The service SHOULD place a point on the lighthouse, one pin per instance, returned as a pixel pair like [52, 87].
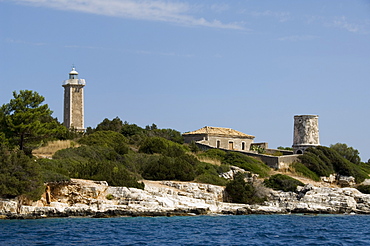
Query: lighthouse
[74, 102]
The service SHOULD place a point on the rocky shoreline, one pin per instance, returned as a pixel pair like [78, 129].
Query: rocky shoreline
[172, 198]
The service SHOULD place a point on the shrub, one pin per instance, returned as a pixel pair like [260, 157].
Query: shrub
[169, 168]
[325, 161]
[107, 138]
[169, 134]
[109, 197]
[214, 154]
[247, 163]
[282, 182]
[20, 175]
[210, 178]
[96, 163]
[240, 191]
[208, 173]
[162, 146]
[364, 189]
[301, 169]
[316, 164]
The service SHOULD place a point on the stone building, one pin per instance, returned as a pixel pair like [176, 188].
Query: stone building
[219, 137]
[74, 102]
[306, 132]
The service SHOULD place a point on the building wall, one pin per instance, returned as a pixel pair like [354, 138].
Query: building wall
[194, 138]
[306, 132]
[232, 143]
[276, 162]
[74, 106]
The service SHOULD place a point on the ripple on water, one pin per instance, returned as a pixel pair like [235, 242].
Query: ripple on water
[197, 230]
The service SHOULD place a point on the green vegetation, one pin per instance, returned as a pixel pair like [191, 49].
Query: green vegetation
[26, 123]
[109, 197]
[238, 159]
[240, 191]
[258, 148]
[349, 153]
[108, 139]
[285, 148]
[20, 175]
[208, 173]
[301, 169]
[325, 161]
[122, 154]
[159, 145]
[364, 189]
[216, 154]
[282, 182]
[247, 163]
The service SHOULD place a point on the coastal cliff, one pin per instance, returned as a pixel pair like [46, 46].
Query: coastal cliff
[171, 198]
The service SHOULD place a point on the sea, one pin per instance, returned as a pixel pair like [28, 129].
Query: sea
[192, 230]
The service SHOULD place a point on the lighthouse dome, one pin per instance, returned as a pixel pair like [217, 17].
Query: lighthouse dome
[73, 71]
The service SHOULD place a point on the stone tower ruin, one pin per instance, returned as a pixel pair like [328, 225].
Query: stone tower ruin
[74, 102]
[306, 132]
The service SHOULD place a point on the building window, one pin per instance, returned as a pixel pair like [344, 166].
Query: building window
[218, 143]
[243, 145]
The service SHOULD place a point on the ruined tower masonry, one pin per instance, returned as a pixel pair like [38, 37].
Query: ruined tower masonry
[306, 132]
[74, 102]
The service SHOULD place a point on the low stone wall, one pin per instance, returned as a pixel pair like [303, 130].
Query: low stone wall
[276, 162]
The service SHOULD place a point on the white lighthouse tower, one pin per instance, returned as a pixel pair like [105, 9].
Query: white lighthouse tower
[74, 102]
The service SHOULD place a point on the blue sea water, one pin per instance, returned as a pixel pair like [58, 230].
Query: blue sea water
[197, 230]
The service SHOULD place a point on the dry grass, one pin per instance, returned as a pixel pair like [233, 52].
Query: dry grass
[209, 160]
[52, 147]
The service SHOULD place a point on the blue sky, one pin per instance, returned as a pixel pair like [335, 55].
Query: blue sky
[250, 65]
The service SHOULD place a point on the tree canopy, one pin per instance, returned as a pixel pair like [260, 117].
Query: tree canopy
[20, 175]
[25, 121]
[351, 154]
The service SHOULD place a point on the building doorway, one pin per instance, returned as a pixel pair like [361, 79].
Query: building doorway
[231, 145]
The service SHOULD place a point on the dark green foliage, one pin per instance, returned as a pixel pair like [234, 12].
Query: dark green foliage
[285, 148]
[214, 154]
[239, 160]
[325, 161]
[301, 169]
[364, 189]
[258, 148]
[158, 145]
[314, 162]
[53, 170]
[169, 134]
[96, 163]
[129, 130]
[208, 173]
[282, 182]
[110, 125]
[170, 168]
[26, 122]
[349, 153]
[20, 175]
[194, 147]
[247, 163]
[107, 138]
[240, 191]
